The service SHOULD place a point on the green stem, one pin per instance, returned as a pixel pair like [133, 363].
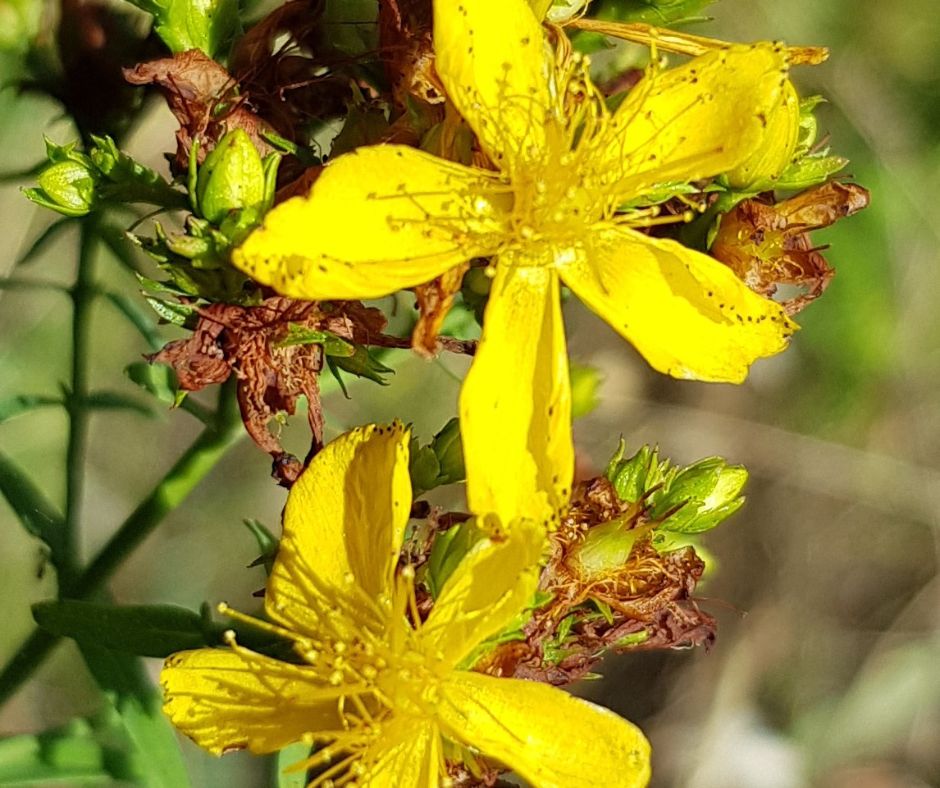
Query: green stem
[83, 297]
[205, 452]
[189, 469]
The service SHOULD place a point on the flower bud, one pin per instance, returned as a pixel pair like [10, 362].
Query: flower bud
[67, 187]
[633, 478]
[448, 449]
[231, 178]
[701, 496]
[775, 152]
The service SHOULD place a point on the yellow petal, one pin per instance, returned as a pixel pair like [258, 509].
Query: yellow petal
[225, 700]
[406, 753]
[688, 314]
[343, 526]
[775, 152]
[493, 584]
[694, 121]
[492, 59]
[377, 220]
[515, 405]
[549, 738]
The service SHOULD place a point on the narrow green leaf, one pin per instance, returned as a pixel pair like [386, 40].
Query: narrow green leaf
[137, 316]
[158, 379]
[69, 756]
[23, 403]
[18, 283]
[44, 239]
[125, 683]
[144, 630]
[30, 505]
[114, 400]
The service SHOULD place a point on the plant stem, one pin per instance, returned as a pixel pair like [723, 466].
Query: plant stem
[179, 481]
[83, 297]
[204, 453]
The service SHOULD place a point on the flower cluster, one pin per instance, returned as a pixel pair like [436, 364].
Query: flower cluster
[400, 643]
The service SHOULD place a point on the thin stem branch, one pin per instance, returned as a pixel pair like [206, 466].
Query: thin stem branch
[205, 452]
[83, 296]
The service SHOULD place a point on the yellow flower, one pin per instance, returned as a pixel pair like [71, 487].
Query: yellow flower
[389, 217]
[384, 694]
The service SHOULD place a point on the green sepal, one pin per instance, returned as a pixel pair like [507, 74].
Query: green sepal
[449, 549]
[440, 462]
[267, 544]
[333, 345]
[362, 363]
[182, 24]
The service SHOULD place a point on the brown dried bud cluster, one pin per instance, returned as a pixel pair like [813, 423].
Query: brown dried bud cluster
[643, 602]
[271, 377]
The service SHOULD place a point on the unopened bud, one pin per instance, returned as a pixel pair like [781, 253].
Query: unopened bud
[448, 449]
[702, 495]
[231, 178]
[67, 187]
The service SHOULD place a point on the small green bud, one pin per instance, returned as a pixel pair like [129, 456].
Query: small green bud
[448, 449]
[424, 468]
[231, 178]
[634, 477]
[67, 187]
[705, 493]
[607, 547]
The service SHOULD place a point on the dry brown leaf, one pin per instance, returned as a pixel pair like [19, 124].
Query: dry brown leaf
[271, 378]
[204, 98]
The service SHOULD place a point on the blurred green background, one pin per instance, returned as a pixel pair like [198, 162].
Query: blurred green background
[827, 667]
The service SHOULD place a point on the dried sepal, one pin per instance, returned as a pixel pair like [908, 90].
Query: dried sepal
[768, 244]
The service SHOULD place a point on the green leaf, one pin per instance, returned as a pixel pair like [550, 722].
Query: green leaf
[137, 316]
[293, 753]
[448, 551]
[68, 756]
[144, 630]
[23, 403]
[267, 544]
[363, 364]
[44, 239]
[172, 312]
[158, 379]
[654, 12]
[125, 683]
[113, 400]
[37, 515]
[332, 344]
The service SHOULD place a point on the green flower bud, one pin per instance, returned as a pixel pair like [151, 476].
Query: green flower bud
[231, 178]
[632, 478]
[448, 449]
[702, 495]
[763, 167]
[607, 547]
[67, 187]
[423, 468]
